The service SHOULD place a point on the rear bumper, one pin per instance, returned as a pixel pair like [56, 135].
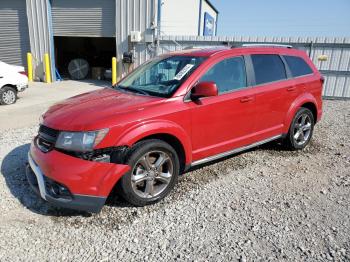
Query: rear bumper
[70, 182]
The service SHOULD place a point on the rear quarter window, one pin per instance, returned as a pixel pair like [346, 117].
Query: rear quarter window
[298, 66]
[268, 68]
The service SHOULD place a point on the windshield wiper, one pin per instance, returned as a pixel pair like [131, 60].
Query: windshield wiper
[140, 91]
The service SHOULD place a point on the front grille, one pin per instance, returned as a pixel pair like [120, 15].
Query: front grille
[46, 138]
[48, 132]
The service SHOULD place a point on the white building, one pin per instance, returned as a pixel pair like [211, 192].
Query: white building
[188, 17]
[95, 30]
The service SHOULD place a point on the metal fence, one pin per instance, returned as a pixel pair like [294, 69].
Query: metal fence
[336, 69]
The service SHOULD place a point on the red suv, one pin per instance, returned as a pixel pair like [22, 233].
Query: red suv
[174, 112]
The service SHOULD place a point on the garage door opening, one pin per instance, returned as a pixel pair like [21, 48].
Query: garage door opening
[84, 57]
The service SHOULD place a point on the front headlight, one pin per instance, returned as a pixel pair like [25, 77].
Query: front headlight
[80, 141]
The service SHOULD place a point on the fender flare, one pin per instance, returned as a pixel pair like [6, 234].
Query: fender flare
[298, 102]
[9, 85]
[157, 127]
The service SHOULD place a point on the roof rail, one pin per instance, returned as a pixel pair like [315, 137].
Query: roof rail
[267, 45]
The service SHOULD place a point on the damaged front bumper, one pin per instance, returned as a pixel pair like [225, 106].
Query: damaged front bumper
[70, 182]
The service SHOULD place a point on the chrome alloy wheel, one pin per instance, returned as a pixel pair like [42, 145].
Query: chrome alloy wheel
[152, 174]
[9, 97]
[302, 129]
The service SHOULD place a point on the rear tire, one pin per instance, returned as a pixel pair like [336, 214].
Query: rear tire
[155, 168]
[301, 130]
[8, 95]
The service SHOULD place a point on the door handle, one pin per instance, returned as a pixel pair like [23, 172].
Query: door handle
[247, 99]
[291, 88]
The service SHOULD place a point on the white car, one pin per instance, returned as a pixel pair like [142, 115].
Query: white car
[13, 79]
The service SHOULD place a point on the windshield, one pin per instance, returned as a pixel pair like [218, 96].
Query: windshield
[161, 76]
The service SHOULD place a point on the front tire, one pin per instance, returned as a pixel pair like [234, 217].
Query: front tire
[8, 95]
[300, 130]
[154, 171]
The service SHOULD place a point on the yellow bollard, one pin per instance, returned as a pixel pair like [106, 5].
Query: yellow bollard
[30, 67]
[47, 69]
[114, 71]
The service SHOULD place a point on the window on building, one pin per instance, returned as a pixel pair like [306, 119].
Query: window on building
[268, 68]
[297, 66]
[228, 74]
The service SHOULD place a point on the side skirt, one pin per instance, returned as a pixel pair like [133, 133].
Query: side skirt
[234, 151]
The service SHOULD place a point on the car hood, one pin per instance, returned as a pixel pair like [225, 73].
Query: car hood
[10, 68]
[95, 110]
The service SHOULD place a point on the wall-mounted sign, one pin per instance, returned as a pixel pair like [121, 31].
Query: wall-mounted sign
[209, 25]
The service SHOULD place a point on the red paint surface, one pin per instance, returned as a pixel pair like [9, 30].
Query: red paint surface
[205, 127]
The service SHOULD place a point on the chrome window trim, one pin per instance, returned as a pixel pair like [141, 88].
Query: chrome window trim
[311, 74]
[277, 81]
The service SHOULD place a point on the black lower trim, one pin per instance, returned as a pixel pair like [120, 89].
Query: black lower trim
[92, 204]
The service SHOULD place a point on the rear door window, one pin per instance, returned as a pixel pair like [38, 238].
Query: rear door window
[228, 74]
[298, 66]
[268, 68]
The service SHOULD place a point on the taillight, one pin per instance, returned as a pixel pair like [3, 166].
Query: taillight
[23, 73]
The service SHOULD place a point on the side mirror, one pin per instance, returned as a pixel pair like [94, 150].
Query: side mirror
[204, 89]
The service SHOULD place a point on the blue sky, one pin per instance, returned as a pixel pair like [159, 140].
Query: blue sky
[283, 18]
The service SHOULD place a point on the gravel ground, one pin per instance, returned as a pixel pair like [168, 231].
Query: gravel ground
[261, 205]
